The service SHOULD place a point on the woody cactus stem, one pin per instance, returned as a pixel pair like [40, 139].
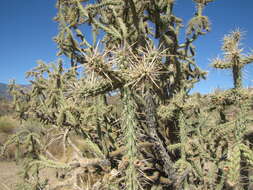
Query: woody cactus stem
[153, 127]
[237, 76]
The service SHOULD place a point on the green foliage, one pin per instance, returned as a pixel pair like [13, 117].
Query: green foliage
[156, 136]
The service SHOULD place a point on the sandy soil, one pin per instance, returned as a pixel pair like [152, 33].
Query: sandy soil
[8, 175]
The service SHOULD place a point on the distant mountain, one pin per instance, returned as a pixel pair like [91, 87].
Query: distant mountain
[4, 91]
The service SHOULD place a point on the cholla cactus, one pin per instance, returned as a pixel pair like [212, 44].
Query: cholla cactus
[233, 57]
[120, 114]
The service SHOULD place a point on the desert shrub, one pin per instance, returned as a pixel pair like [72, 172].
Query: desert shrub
[6, 107]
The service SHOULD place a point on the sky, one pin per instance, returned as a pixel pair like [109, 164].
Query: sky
[27, 31]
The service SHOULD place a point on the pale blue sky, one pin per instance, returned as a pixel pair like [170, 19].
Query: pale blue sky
[27, 29]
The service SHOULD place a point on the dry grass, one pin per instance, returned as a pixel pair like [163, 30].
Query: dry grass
[8, 125]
